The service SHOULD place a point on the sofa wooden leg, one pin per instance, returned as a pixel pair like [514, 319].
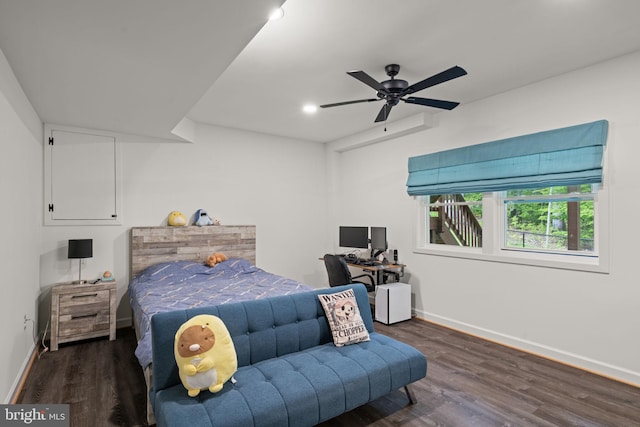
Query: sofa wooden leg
[410, 395]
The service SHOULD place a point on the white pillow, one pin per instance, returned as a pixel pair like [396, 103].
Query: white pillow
[344, 317]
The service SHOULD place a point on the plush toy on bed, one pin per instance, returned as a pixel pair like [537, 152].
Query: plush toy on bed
[215, 258]
[177, 219]
[205, 354]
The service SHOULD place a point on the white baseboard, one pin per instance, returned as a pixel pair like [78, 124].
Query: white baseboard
[21, 372]
[595, 366]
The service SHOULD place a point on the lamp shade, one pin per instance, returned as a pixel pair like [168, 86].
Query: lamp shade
[80, 248]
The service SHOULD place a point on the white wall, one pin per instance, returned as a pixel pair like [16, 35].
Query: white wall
[587, 319]
[20, 202]
[238, 177]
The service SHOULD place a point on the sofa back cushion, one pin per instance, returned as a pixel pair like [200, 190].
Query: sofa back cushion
[260, 329]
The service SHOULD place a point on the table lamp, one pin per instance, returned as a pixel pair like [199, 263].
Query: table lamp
[79, 249]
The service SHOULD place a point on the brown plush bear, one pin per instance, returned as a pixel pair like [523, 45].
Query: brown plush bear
[215, 258]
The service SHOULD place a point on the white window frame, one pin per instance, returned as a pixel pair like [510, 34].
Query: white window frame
[493, 237]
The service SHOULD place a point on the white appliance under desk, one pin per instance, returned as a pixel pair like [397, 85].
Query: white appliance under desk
[393, 303]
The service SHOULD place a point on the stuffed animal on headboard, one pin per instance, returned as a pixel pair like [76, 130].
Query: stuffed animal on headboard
[205, 354]
[177, 219]
[201, 218]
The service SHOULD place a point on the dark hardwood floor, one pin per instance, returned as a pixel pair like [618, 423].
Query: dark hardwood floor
[470, 382]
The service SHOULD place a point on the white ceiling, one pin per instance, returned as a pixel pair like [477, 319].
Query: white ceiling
[131, 66]
[141, 66]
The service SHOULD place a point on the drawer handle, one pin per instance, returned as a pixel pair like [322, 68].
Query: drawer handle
[84, 296]
[84, 316]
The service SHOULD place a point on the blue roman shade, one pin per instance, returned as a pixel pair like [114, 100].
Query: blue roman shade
[566, 156]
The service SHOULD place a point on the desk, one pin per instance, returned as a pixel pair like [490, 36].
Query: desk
[381, 271]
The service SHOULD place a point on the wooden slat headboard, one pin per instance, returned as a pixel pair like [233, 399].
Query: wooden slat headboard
[151, 245]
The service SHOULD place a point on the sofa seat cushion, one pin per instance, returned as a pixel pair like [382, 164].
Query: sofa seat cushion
[298, 389]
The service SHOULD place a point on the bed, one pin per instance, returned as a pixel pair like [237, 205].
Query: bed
[168, 273]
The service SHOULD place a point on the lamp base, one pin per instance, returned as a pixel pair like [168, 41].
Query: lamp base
[79, 282]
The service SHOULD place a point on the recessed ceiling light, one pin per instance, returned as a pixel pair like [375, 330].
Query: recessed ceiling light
[276, 14]
[309, 109]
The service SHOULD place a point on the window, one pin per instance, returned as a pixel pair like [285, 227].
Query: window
[455, 219]
[534, 199]
[556, 227]
[551, 219]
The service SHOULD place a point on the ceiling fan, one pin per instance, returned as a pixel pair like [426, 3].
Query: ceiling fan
[395, 90]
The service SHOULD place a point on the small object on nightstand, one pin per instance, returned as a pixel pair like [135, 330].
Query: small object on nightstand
[82, 311]
[107, 276]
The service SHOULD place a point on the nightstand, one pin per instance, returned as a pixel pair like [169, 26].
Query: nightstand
[82, 311]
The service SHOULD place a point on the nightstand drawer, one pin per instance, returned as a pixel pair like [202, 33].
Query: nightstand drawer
[83, 301]
[83, 322]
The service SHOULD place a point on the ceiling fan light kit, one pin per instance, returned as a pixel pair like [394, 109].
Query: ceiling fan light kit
[394, 90]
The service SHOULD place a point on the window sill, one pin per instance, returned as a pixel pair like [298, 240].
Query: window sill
[536, 259]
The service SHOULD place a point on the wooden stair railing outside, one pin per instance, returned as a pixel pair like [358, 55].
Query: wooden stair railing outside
[458, 220]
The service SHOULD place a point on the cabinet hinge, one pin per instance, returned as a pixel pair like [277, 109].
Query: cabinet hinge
[50, 140]
[50, 207]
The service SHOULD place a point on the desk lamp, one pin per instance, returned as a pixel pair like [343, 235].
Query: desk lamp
[80, 249]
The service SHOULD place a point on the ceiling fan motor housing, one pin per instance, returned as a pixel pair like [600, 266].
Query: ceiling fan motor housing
[395, 85]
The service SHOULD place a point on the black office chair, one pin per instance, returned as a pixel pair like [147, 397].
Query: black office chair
[339, 273]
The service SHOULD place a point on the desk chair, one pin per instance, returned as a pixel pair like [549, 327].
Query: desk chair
[339, 273]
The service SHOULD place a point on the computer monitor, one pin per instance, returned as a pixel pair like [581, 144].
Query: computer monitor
[354, 237]
[378, 240]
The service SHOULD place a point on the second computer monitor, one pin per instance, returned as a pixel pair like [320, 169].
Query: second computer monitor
[379, 238]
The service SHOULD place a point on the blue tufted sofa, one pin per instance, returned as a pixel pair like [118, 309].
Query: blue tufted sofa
[289, 371]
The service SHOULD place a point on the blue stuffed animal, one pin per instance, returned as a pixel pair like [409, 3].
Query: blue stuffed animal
[202, 218]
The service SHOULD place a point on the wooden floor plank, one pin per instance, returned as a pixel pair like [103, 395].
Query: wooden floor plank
[470, 382]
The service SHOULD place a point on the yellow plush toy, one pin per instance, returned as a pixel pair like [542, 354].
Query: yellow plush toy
[215, 258]
[177, 219]
[205, 354]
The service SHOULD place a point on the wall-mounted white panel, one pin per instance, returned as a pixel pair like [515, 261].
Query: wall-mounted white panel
[81, 178]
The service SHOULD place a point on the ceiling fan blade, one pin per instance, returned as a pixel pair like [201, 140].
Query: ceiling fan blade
[337, 104]
[428, 102]
[368, 80]
[446, 75]
[384, 113]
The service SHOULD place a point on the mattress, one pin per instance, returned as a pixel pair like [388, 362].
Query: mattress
[182, 285]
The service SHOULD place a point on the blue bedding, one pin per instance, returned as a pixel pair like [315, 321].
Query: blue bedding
[182, 285]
